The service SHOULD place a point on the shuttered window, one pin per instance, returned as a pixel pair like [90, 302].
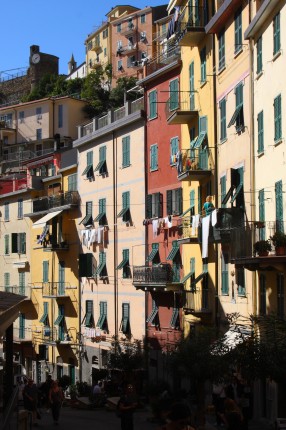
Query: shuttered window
[276, 34]
[260, 132]
[45, 271]
[72, 182]
[125, 323]
[222, 190]
[174, 202]
[279, 206]
[259, 63]
[174, 94]
[6, 244]
[152, 104]
[261, 200]
[126, 151]
[277, 118]
[20, 209]
[238, 31]
[221, 50]
[224, 274]
[21, 326]
[222, 106]
[22, 283]
[192, 85]
[154, 206]
[203, 65]
[7, 281]
[153, 157]
[86, 265]
[174, 148]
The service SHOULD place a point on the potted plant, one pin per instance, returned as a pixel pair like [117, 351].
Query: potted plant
[262, 247]
[279, 241]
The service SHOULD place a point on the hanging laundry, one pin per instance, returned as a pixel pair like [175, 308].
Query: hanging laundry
[155, 227]
[179, 162]
[100, 234]
[205, 235]
[214, 217]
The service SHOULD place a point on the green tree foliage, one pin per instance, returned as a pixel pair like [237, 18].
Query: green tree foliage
[117, 93]
[127, 356]
[95, 93]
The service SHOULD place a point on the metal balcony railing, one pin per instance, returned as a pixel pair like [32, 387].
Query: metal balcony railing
[17, 289]
[196, 159]
[55, 289]
[192, 18]
[68, 198]
[152, 275]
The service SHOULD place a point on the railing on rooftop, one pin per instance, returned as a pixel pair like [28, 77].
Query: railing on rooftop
[111, 117]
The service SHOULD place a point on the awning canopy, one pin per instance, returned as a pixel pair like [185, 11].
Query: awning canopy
[42, 221]
[101, 166]
[174, 250]
[123, 263]
[155, 250]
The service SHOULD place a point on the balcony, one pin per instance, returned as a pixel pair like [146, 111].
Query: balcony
[65, 200]
[184, 110]
[128, 29]
[186, 233]
[243, 255]
[150, 277]
[16, 289]
[7, 126]
[55, 289]
[129, 49]
[95, 64]
[197, 164]
[53, 336]
[198, 302]
[191, 25]
[171, 52]
[95, 46]
[224, 13]
[53, 245]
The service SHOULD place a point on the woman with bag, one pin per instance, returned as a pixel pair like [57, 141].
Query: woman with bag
[56, 398]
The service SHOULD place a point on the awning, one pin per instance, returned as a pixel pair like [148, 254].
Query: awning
[235, 115]
[152, 315]
[99, 216]
[87, 220]
[101, 321]
[99, 268]
[155, 249]
[44, 318]
[123, 263]
[88, 318]
[100, 166]
[59, 319]
[87, 170]
[173, 251]
[42, 221]
[122, 212]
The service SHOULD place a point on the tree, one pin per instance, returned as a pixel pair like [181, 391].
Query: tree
[122, 86]
[94, 92]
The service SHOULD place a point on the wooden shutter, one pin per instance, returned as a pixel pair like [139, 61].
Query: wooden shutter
[126, 151]
[169, 202]
[102, 153]
[45, 271]
[279, 206]
[192, 86]
[260, 132]
[148, 213]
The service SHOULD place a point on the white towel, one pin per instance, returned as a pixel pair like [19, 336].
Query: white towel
[205, 235]
[155, 227]
[91, 238]
[170, 223]
[99, 234]
[193, 225]
[214, 217]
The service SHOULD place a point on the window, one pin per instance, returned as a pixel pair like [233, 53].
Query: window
[7, 118]
[38, 133]
[119, 65]
[20, 209]
[238, 117]
[7, 282]
[259, 64]
[125, 264]
[175, 322]
[276, 34]
[224, 274]
[126, 151]
[88, 171]
[6, 211]
[237, 31]
[143, 18]
[192, 85]
[88, 219]
[21, 326]
[21, 116]
[154, 205]
[280, 295]
[86, 269]
[125, 323]
[125, 211]
[203, 65]
[60, 322]
[153, 317]
[262, 295]
[191, 274]
[39, 113]
[89, 318]
[60, 116]
[222, 190]
[101, 168]
[152, 104]
[61, 275]
[279, 206]
[237, 185]
[174, 202]
[22, 283]
[105, 52]
[153, 157]
[118, 28]
[45, 317]
[277, 119]
[72, 182]
[102, 320]
[174, 94]
[130, 24]
[261, 200]
[101, 217]
[174, 148]
[105, 33]
[240, 279]
[101, 270]
[260, 132]
[45, 271]
[175, 256]
[154, 256]
[222, 106]
[221, 50]
[18, 243]
[6, 244]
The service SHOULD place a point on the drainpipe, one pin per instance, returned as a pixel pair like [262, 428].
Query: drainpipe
[252, 160]
[217, 316]
[115, 251]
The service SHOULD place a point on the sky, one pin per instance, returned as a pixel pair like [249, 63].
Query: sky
[59, 27]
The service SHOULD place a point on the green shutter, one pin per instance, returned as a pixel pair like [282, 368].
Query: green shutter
[222, 190]
[88, 313]
[276, 34]
[126, 200]
[126, 151]
[222, 106]
[153, 157]
[239, 95]
[22, 283]
[277, 118]
[102, 153]
[6, 244]
[174, 147]
[7, 281]
[169, 202]
[148, 214]
[61, 267]
[152, 104]
[224, 274]
[261, 213]
[125, 325]
[174, 94]
[221, 50]
[45, 271]
[279, 206]
[203, 65]
[238, 31]
[85, 265]
[259, 64]
[89, 158]
[20, 208]
[21, 326]
[260, 131]
[192, 201]
[179, 201]
[192, 85]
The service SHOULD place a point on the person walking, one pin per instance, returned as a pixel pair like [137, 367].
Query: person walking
[126, 407]
[30, 399]
[56, 397]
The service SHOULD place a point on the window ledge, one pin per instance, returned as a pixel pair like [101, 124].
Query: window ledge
[154, 170]
[220, 70]
[152, 119]
[125, 167]
[242, 296]
[203, 83]
[260, 153]
[278, 141]
[238, 52]
[258, 75]
[222, 141]
[275, 56]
